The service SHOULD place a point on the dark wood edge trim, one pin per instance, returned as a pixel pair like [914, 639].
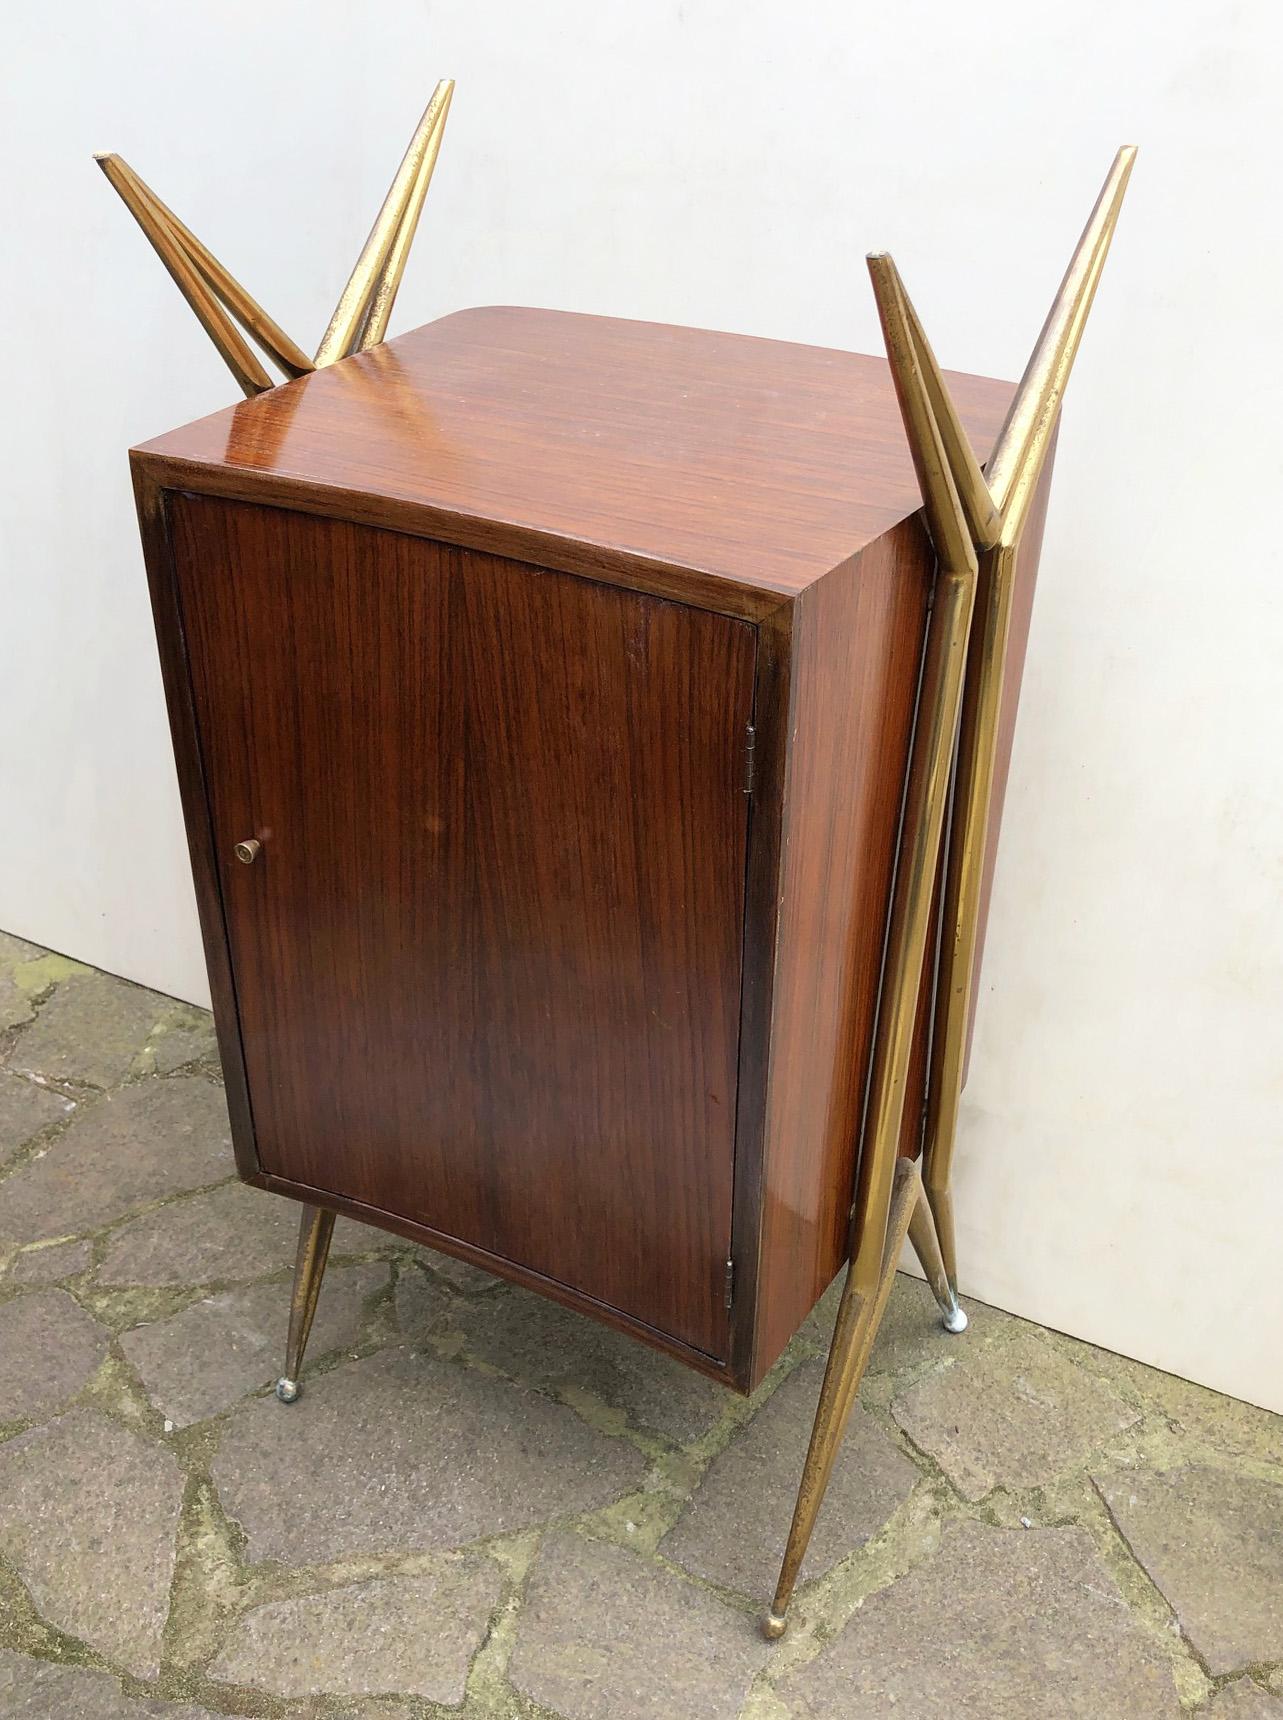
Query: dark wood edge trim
[771, 707]
[508, 1269]
[153, 525]
[465, 531]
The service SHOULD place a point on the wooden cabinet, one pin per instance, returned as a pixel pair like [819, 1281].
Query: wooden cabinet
[563, 671]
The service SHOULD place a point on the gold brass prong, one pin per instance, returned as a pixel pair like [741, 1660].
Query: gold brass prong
[926, 1245]
[361, 315]
[927, 789]
[1023, 440]
[960, 695]
[227, 289]
[858, 1318]
[983, 520]
[386, 286]
[248, 372]
[1013, 475]
[316, 1227]
[945, 519]
[888, 1188]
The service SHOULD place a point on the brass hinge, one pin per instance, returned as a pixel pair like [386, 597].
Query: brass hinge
[750, 739]
[730, 1285]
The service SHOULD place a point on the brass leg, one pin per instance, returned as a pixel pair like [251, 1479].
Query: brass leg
[940, 1199]
[974, 521]
[315, 1230]
[857, 1326]
[922, 1234]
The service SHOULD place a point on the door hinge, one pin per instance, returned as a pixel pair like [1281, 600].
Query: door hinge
[750, 741]
[730, 1285]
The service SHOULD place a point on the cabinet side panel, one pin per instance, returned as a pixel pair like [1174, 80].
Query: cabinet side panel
[857, 643]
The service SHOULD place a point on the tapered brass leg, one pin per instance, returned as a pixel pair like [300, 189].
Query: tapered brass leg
[857, 1326]
[939, 1193]
[315, 1230]
[922, 1234]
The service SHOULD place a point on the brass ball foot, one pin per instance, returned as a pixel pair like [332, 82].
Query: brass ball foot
[773, 1626]
[287, 1390]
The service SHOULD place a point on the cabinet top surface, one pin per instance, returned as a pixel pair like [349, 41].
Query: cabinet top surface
[757, 462]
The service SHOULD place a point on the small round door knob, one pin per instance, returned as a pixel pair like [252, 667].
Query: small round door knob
[248, 851]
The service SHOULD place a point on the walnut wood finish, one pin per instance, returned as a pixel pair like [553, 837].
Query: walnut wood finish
[467, 631]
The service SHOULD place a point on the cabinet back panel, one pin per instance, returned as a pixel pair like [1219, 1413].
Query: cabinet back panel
[487, 962]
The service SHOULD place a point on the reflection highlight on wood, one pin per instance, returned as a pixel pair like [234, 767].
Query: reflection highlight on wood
[361, 316]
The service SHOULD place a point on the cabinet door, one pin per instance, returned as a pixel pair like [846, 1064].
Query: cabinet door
[487, 960]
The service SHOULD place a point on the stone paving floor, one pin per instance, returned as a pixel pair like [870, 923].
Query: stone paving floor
[484, 1505]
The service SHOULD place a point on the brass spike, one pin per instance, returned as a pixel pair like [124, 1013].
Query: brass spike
[248, 372]
[1014, 472]
[385, 290]
[361, 318]
[361, 314]
[273, 339]
[1023, 440]
[945, 519]
[983, 520]
[965, 513]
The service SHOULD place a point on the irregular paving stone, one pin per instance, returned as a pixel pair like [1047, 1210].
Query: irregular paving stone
[404, 1452]
[461, 1275]
[182, 1040]
[1225, 1424]
[50, 1262]
[1014, 1415]
[15, 951]
[1213, 1543]
[217, 1351]
[15, 1005]
[539, 1341]
[1001, 1622]
[421, 1305]
[88, 1515]
[414, 1635]
[911, 1334]
[123, 1151]
[733, 1531]
[1238, 1429]
[1244, 1700]
[232, 1232]
[606, 1636]
[90, 1030]
[15, 1000]
[353, 1237]
[49, 1347]
[25, 1109]
[38, 1690]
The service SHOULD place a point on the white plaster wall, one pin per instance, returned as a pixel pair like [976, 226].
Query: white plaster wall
[727, 164]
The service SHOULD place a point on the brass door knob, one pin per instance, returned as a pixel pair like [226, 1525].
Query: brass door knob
[248, 851]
